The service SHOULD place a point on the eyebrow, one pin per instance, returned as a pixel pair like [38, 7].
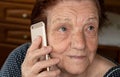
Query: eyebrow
[67, 19]
[92, 18]
[60, 19]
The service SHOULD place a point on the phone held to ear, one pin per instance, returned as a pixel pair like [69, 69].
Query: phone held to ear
[38, 29]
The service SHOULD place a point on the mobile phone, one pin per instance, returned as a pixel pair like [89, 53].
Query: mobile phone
[38, 29]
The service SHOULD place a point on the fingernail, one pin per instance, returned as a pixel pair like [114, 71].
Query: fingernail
[57, 60]
[58, 71]
[49, 48]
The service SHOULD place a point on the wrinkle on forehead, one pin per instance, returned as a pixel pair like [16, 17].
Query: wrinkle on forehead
[68, 9]
[71, 2]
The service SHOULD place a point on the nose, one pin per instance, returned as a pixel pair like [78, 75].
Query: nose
[78, 41]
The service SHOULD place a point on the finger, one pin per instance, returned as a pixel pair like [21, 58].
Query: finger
[54, 73]
[38, 54]
[39, 66]
[35, 44]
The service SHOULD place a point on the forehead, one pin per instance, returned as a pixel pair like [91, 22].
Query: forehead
[73, 8]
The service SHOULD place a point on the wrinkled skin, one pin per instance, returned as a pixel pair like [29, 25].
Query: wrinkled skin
[72, 36]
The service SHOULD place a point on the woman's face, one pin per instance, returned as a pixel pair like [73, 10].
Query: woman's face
[73, 34]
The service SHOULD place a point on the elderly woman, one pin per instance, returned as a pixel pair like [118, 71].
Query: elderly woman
[72, 33]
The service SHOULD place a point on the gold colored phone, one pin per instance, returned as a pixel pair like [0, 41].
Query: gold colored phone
[38, 29]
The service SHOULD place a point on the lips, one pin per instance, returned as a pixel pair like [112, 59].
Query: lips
[78, 58]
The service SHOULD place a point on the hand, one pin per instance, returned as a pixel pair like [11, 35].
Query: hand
[33, 64]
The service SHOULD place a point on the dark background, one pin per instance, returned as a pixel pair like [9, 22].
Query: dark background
[15, 23]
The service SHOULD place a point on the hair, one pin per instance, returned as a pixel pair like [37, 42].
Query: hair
[40, 7]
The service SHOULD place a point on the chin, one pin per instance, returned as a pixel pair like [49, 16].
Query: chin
[77, 69]
[74, 69]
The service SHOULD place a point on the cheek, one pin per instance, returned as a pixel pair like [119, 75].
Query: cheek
[92, 44]
[59, 43]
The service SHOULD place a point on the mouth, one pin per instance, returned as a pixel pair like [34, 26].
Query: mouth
[77, 58]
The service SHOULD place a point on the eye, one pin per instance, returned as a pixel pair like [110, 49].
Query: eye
[63, 29]
[91, 28]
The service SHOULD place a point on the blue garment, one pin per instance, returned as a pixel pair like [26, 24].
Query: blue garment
[12, 66]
